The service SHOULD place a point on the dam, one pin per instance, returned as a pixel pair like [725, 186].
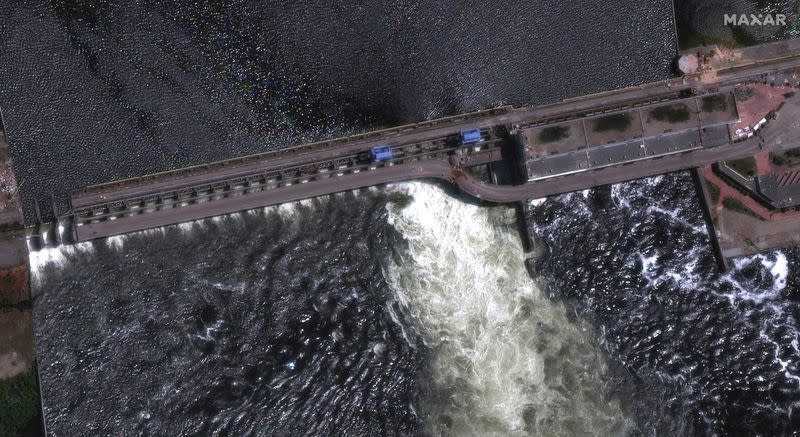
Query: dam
[575, 144]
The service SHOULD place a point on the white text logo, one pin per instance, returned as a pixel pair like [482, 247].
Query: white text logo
[755, 20]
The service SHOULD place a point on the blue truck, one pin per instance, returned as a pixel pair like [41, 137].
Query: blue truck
[469, 136]
[380, 152]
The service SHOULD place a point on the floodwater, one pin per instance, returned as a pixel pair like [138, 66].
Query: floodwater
[394, 311]
[98, 91]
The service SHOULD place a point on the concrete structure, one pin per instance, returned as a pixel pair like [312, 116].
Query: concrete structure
[610, 137]
[645, 133]
[688, 63]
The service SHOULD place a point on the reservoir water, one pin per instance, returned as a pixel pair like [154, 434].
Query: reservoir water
[399, 310]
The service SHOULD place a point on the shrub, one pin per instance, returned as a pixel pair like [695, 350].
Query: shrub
[745, 167]
[713, 192]
[777, 159]
[793, 153]
[618, 122]
[714, 103]
[18, 402]
[553, 133]
[737, 206]
[672, 113]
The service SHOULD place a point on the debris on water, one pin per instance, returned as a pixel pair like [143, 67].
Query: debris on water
[379, 348]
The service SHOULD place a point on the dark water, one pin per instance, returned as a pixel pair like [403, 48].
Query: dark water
[289, 322]
[97, 91]
[718, 354]
[706, 18]
[283, 323]
[269, 324]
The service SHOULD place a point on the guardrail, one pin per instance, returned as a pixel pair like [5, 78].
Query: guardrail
[299, 149]
[272, 179]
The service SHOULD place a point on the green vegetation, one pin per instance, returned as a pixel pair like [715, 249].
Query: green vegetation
[789, 95]
[742, 37]
[687, 38]
[772, 115]
[618, 122]
[713, 192]
[787, 158]
[553, 133]
[11, 227]
[18, 402]
[777, 159]
[737, 206]
[745, 167]
[793, 153]
[701, 39]
[714, 103]
[672, 113]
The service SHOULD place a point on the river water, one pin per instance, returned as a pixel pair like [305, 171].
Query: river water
[404, 310]
[716, 354]
[381, 312]
[100, 91]
[401, 310]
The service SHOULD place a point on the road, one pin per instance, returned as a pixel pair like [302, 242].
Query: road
[431, 168]
[163, 217]
[429, 130]
[604, 176]
[435, 168]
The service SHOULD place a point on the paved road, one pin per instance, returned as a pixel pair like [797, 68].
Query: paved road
[422, 169]
[435, 129]
[604, 176]
[435, 168]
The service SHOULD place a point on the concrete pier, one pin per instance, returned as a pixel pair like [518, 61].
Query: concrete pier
[665, 127]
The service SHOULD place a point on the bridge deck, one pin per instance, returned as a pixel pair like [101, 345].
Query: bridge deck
[425, 150]
[435, 168]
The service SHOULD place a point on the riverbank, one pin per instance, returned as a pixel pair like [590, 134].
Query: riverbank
[19, 395]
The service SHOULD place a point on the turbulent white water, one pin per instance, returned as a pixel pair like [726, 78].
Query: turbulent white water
[506, 360]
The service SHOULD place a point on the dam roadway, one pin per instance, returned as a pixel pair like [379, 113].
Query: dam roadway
[442, 169]
[423, 150]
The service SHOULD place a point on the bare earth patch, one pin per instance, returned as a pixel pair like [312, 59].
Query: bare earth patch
[14, 284]
[8, 184]
[16, 343]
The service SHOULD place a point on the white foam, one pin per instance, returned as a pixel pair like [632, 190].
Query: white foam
[116, 241]
[55, 257]
[619, 198]
[52, 257]
[779, 269]
[777, 265]
[537, 202]
[505, 359]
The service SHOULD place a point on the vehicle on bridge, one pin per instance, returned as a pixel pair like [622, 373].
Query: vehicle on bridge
[380, 152]
[470, 136]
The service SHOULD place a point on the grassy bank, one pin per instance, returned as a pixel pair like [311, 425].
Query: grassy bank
[736, 205]
[18, 403]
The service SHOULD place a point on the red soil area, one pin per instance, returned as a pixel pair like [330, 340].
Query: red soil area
[8, 184]
[763, 165]
[726, 191]
[14, 284]
[765, 99]
[16, 342]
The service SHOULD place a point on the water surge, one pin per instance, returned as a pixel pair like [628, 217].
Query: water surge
[505, 359]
